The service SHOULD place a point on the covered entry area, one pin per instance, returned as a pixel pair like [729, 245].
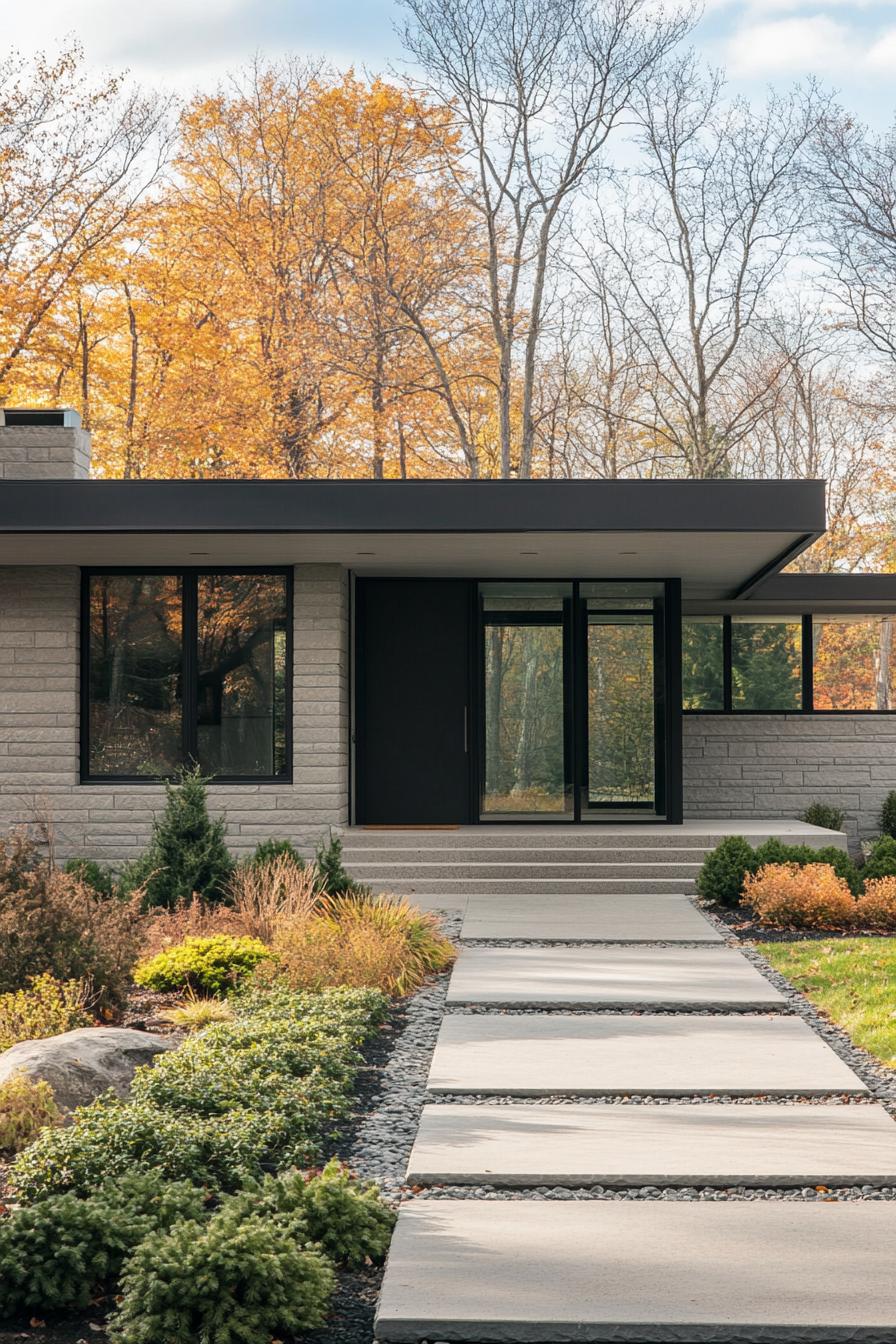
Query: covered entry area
[517, 700]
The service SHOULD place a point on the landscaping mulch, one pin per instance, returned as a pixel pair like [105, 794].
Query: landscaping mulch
[743, 926]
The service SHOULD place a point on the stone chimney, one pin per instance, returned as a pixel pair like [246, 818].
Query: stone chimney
[38, 445]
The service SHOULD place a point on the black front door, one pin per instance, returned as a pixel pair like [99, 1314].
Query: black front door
[412, 701]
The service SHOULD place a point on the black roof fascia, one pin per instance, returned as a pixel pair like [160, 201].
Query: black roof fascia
[808, 589]
[413, 506]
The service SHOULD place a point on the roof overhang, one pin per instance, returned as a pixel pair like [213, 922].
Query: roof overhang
[722, 538]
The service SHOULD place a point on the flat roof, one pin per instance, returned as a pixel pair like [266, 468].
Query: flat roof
[721, 537]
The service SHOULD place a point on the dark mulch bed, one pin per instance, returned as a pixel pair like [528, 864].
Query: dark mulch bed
[354, 1301]
[743, 926]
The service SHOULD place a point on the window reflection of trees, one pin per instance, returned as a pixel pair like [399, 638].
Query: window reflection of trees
[621, 747]
[524, 761]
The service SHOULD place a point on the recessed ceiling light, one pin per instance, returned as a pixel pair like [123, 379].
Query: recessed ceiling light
[200, 552]
[628, 552]
[528, 552]
[365, 552]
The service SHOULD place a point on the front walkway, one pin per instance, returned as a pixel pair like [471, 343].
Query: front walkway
[539, 1058]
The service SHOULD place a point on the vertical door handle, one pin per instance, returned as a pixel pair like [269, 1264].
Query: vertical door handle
[466, 732]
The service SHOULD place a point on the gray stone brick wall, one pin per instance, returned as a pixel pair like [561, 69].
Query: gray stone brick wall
[43, 452]
[39, 677]
[774, 766]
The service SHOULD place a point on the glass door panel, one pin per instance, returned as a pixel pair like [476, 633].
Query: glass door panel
[525, 729]
[621, 756]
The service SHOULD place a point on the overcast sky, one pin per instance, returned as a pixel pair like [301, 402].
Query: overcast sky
[849, 44]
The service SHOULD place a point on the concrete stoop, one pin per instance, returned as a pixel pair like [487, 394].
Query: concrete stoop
[647, 1272]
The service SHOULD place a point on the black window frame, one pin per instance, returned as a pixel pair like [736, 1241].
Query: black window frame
[189, 576]
[807, 705]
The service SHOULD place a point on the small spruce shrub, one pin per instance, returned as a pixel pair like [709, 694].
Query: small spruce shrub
[267, 850]
[822, 814]
[47, 1007]
[721, 877]
[94, 875]
[26, 1108]
[350, 1221]
[888, 815]
[187, 855]
[233, 1279]
[205, 965]
[881, 862]
[334, 880]
[56, 1253]
[876, 907]
[792, 896]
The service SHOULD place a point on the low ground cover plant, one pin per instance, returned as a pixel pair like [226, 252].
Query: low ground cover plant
[852, 980]
[211, 965]
[26, 1108]
[261, 1091]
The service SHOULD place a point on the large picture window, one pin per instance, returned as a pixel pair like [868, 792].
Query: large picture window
[186, 667]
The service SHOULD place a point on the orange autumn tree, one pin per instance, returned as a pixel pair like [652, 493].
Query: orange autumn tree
[408, 268]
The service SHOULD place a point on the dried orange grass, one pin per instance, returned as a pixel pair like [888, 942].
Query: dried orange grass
[273, 895]
[189, 919]
[794, 897]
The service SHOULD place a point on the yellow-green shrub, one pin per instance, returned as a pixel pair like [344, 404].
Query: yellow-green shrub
[205, 965]
[46, 1008]
[25, 1109]
[795, 897]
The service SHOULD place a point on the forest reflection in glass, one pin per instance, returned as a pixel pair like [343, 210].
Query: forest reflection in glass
[135, 681]
[524, 719]
[854, 662]
[241, 628]
[702, 663]
[766, 663]
[621, 743]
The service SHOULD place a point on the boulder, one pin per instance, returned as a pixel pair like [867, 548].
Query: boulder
[79, 1065]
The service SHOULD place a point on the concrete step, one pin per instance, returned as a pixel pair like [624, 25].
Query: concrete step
[638, 917]
[547, 886]
[640, 1272]
[484, 872]
[679, 978]
[523, 837]
[648, 1055]
[691, 1144]
[527, 854]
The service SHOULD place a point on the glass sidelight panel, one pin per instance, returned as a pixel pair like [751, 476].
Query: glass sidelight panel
[524, 704]
[621, 695]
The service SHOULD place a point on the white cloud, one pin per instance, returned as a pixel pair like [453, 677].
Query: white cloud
[812, 45]
[882, 55]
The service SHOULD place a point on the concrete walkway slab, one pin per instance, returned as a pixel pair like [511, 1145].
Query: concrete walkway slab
[595, 1270]
[542, 1054]
[686, 1145]
[599, 917]
[613, 977]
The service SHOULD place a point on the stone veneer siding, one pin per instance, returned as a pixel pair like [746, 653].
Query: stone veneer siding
[43, 452]
[39, 745]
[775, 765]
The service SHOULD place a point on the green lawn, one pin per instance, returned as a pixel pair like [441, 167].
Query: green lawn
[852, 980]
